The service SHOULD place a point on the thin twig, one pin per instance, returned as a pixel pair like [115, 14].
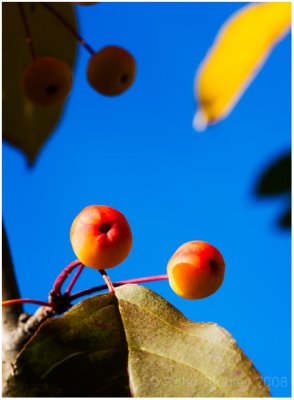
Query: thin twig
[29, 39]
[63, 275]
[29, 301]
[75, 278]
[116, 284]
[90, 290]
[69, 27]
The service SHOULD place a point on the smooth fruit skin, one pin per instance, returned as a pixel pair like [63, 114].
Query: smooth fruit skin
[238, 52]
[196, 270]
[47, 81]
[101, 237]
[111, 71]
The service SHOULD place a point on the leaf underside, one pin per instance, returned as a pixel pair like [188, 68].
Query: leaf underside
[132, 344]
[26, 125]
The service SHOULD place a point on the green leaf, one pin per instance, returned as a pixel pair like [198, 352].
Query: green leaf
[80, 354]
[135, 343]
[26, 125]
[170, 356]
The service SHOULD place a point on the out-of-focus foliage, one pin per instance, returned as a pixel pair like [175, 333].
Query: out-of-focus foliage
[26, 125]
[276, 181]
[240, 49]
[277, 178]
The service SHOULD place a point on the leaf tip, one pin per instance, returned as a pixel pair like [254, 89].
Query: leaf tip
[200, 121]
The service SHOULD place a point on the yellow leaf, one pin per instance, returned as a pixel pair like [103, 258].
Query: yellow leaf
[239, 50]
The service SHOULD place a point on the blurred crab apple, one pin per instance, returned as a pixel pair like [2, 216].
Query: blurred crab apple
[47, 81]
[111, 71]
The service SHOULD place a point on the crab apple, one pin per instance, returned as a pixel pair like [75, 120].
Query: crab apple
[101, 237]
[196, 270]
[111, 71]
[47, 81]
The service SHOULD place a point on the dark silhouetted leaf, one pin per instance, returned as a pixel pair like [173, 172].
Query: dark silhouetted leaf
[135, 343]
[286, 220]
[25, 125]
[277, 178]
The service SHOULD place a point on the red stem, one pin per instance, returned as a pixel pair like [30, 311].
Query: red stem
[116, 284]
[87, 291]
[29, 39]
[69, 27]
[75, 278]
[63, 275]
[107, 280]
[31, 301]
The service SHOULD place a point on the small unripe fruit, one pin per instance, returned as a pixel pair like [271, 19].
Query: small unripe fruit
[196, 270]
[47, 81]
[101, 237]
[111, 71]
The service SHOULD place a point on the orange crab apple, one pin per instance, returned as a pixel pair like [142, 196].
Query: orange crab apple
[101, 237]
[196, 270]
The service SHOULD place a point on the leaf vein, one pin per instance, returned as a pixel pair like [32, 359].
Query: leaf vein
[179, 362]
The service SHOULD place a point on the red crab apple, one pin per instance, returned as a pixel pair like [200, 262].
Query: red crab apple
[196, 270]
[101, 237]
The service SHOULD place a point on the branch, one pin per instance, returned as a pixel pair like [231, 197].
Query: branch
[9, 284]
[28, 325]
[17, 327]
[10, 314]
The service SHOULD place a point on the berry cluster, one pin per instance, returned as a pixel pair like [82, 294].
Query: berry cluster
[47, 81]
[101, 238]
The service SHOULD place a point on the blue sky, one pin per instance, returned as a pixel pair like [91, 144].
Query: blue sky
[138, 153]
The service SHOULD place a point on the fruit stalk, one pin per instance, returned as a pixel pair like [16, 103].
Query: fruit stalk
[107, 280]
[91, 290]
[63, 275]
[68, 26]
[117, 284]
[29, 39]
[75, 278]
